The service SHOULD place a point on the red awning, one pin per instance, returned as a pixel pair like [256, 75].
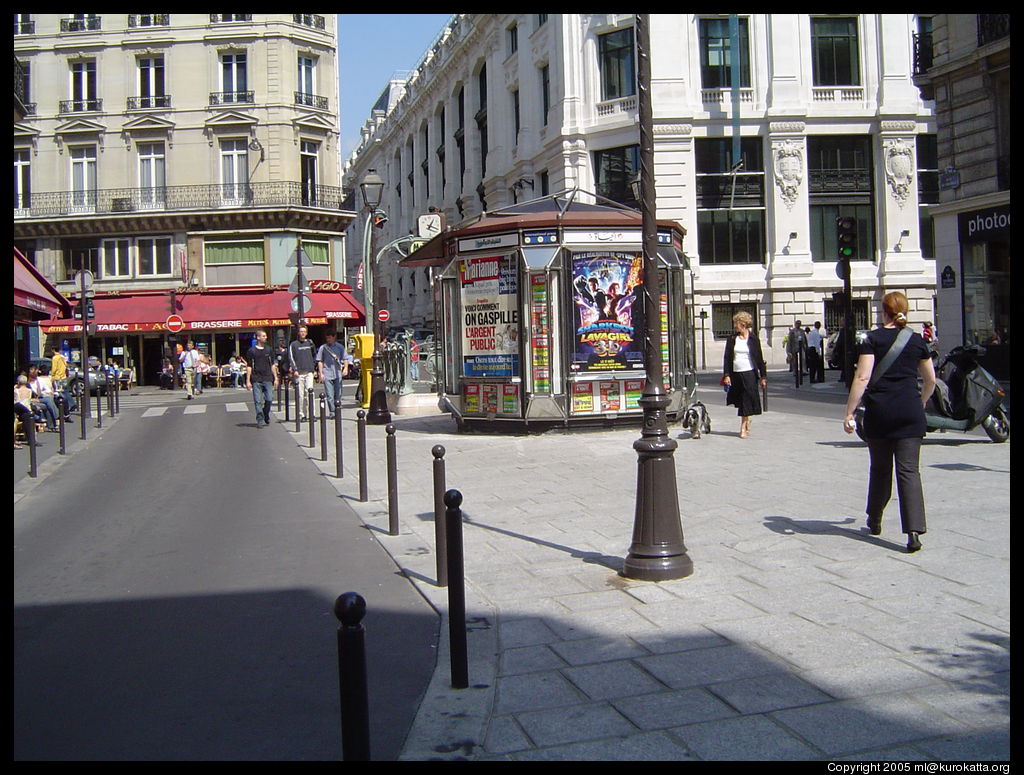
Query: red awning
[212, 311]
[33, 293]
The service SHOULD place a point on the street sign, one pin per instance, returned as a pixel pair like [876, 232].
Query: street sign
[306, 304]
[294, 287]
[174, 323]
[83, 279]
[301, 254]
[383, 316]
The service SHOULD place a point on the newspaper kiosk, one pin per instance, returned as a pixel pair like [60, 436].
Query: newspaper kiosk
[540, 316]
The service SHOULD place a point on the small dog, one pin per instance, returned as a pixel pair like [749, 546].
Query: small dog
[697, 419]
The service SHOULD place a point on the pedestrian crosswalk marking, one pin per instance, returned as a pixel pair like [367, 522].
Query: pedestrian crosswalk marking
[155, 411]
[197, 409]
[237, 407]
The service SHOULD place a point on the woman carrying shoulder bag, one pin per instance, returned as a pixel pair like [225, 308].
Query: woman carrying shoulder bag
[744, 369]
[888, 364]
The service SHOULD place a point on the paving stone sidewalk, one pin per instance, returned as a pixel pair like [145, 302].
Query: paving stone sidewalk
[798, 636]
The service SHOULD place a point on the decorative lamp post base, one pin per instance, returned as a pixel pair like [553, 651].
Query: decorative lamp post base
[378, 413]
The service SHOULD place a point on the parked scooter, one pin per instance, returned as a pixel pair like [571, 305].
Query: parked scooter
[965, 396]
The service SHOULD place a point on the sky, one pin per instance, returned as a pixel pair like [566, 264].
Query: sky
[371, 48]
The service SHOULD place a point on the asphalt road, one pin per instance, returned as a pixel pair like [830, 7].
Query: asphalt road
[174, 592]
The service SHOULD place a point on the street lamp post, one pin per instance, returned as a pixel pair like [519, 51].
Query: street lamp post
[657, 552]
[372, 188]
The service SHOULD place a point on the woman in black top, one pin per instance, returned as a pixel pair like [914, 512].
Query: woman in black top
[894, 422]
[744, 367]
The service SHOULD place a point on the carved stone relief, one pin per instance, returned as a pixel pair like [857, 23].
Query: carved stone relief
[899, 168]
[789, 170]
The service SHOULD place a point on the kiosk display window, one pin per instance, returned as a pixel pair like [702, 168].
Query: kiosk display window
[607, 312]
[490, 330]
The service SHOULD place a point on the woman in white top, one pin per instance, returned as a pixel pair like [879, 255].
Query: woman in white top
[743, 369]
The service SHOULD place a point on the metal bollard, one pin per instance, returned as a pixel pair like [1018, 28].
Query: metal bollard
[456, 592]
[83, 411]
[30, 439]
[323, 427]
[361, 445]
[392, 462]
[110, 399]
[279, 398]
[298, 407]
[287, 401]
[99, 408]
[440, 536]
[311, 415]
[340, 472]
[350, 609]
[59, 400]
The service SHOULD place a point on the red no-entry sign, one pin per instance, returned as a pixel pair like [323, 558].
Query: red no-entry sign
[174, 323]
[383, 315]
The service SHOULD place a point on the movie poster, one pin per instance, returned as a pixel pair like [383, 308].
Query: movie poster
[607, 311]
[490, 324]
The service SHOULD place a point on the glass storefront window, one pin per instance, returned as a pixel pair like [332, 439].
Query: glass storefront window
[987, 293]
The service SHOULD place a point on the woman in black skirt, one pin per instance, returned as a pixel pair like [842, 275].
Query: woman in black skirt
[744, 369]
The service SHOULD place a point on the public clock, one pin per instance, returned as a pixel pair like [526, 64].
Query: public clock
[429, 225]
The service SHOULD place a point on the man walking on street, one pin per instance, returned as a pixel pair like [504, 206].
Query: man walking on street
[261, 377]
[816, 353]
[332, 364]
[190, 362]
[796, 347]
[302, 354]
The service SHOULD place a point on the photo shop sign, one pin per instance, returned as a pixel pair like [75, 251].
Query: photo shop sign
[490, 317]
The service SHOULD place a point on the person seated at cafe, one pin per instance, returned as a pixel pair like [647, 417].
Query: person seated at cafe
[167, 375]
[42, 390]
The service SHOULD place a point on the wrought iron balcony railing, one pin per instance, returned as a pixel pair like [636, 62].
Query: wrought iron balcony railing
[149, 19]
[220, 18]
[25, 28]
[81, 106]
[88, 24]
[992, 27]
[923, 53]
[112, 201]
[855, 181]
[232, 97]
[143, 103]
[311, 100]
[309, 20]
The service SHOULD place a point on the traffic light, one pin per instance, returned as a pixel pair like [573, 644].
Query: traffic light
[172, 297]
[379, 219]
[846, 237]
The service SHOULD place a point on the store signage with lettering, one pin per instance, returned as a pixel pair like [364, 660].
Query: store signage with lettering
[981, 225]
[329, 286]
[948, 278]
[490, 242]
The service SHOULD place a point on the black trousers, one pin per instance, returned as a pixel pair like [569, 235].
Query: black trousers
[906, 453]
[815, 364]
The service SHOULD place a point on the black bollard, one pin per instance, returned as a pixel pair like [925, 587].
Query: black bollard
[323, 427]
[350, 609]
[59, 400]
[278, 391]
[392, 462]
[340, 472]
[110, 398]
[287, 402]
[298, 407]
[99, 405]
[83, 410]
[361, 446]
[764, 393]
[440, 536]
[311, 416]
[29, 423]
[456, 592]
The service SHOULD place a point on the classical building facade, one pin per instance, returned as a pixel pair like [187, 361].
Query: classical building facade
[181, 152]
[508, 107]
[963, 63]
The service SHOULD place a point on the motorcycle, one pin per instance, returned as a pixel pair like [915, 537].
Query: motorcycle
[965, 396]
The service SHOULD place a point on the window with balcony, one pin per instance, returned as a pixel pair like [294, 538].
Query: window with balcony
[116, 259]
[614, 169]
[22, 180]
[233, 80]
[481, 117]
[835, 53]
[151, 85]
[730, 201]
[923, 48]
[152, 175]
[314, 20]
[440, 153]
[306, 95]
[309, 152]
[83, 178]
[545, 94]
[234, 172]
[460, 135]
[542, 19]
[617, 64]
[839, 183]
[515, 117]
[716, 56]
[222, 18]
[425, 162]
[512, 36]
[80, 22]
[83, 88]
[149, 19]
[23, 81]
[154, 257]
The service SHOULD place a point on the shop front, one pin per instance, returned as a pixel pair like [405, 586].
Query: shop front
[35, 300]
[138, 331]
[542, 317]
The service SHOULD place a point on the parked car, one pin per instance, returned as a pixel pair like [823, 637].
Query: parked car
[830, 347]
[97, 381]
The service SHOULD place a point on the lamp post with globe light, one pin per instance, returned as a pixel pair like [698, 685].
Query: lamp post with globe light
[372, 188]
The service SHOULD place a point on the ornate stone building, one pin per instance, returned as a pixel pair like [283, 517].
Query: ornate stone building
[508, 107]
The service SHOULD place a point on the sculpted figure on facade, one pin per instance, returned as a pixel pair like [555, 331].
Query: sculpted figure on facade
[899, 168]
[789, 170]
